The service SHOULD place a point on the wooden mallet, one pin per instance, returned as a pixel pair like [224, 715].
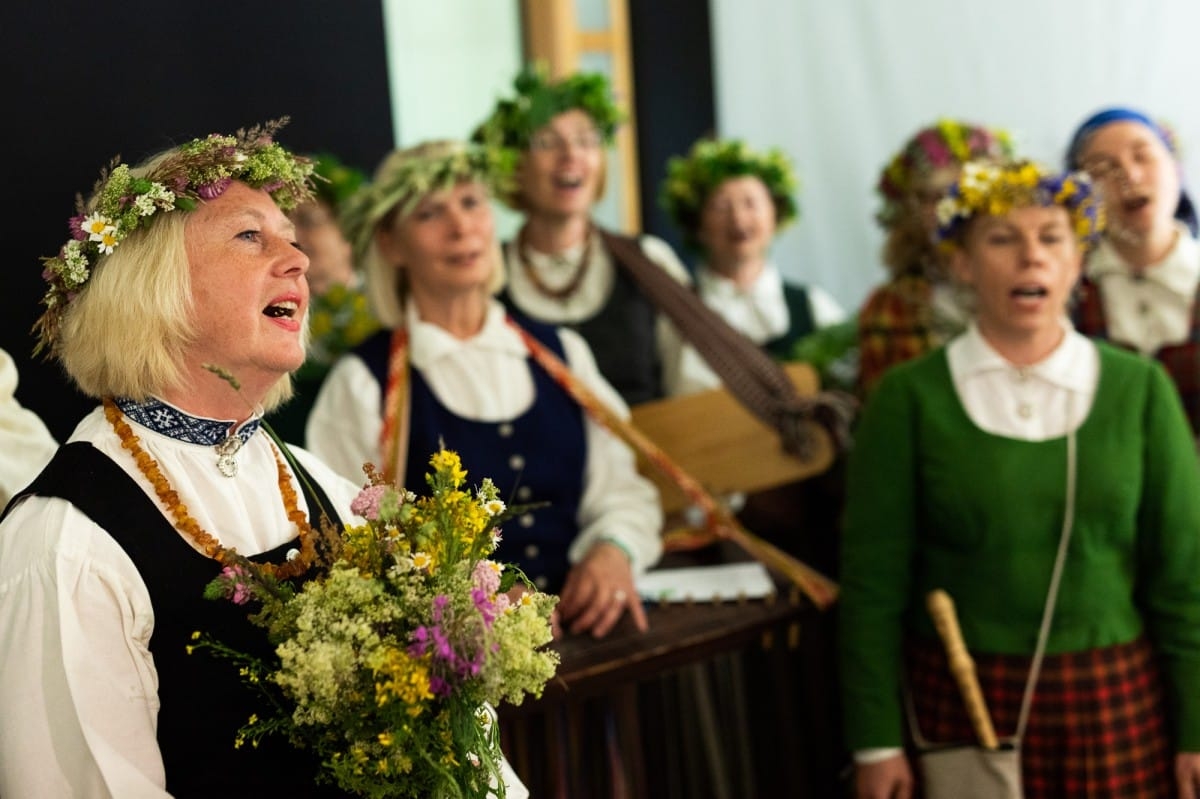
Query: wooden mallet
[945, 619]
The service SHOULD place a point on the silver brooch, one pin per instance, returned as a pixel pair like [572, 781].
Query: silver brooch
[226, 465]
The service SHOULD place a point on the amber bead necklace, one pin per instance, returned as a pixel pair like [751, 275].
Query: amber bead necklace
[187, 525]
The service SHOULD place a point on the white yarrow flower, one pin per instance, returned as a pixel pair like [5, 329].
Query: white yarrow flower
[144, 205]
[163, 197]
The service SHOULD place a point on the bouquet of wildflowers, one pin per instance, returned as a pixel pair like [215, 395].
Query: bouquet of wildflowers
[390, 659]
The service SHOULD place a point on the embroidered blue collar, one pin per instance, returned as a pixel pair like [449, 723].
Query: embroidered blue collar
[168, 420]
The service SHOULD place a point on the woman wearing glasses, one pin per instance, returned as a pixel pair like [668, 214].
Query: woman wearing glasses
[562, 267]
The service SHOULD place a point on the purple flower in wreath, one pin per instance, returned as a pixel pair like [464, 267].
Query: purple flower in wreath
[211, 191]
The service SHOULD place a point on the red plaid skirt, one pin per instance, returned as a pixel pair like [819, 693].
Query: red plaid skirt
[1096, 728]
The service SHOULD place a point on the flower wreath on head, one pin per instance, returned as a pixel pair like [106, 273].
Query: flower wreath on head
[538, 100]
[691, 179]
[990, 189]
[948, 143]
[445, 165]
[123, 202]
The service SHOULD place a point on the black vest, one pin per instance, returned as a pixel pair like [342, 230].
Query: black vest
[800, 325]
[622, 336]
[203, 701]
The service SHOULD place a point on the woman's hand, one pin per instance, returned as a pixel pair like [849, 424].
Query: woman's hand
[1187, 774]
[885, 779]
[598, 591]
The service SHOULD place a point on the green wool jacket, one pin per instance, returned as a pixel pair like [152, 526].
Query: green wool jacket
[935, 502]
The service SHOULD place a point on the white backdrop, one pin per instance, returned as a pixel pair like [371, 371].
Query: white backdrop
[840, 85]
[448, 63]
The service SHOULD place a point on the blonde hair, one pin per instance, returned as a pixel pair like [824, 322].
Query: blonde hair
[127, 331]
[387, 282]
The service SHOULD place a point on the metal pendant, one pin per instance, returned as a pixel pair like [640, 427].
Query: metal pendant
[226, 465]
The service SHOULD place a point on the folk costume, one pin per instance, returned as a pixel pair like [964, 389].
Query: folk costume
[956, 482]
[1153, 309]
[1155, 313]
[105, 558]
[730, 202]
[966, 474]
[99, 596]
[589, 290]
[416, 386]
[771, 312]
[487, 400]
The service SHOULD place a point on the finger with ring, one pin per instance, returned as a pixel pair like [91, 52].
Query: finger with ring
[619, 596]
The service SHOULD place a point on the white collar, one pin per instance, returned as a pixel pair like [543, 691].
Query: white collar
[768, 284]
[1178, 272]
[1066, 367]
[429, 343]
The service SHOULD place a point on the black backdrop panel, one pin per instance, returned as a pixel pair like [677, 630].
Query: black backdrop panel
[673, 93]
[86, 82]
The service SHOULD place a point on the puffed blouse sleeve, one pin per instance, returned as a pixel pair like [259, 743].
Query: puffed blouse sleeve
[79, 698]
[344, 424]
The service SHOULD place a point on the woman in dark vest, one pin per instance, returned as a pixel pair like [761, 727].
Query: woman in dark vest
[562, 267]
[1140, 287]
[183, 263]
[453, 368]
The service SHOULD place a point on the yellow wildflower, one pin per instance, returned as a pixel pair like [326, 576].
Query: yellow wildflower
[447, 462]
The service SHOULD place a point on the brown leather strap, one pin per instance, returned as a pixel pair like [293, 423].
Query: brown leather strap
[751, 376]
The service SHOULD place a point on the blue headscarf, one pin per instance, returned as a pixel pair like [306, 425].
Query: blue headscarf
[1185, 212]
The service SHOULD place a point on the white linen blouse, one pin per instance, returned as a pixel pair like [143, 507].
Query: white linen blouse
[1153, 308]
[760, 311]
[25, 443]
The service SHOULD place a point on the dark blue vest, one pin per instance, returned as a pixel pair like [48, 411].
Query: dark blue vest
[539, 456]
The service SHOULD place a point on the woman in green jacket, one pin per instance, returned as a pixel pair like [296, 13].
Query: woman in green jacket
[959, 481]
